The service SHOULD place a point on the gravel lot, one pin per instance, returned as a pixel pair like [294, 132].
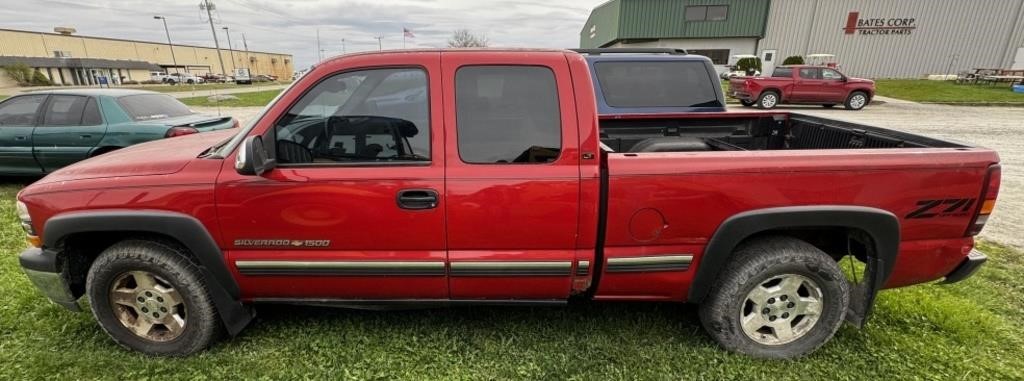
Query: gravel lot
[992, 127]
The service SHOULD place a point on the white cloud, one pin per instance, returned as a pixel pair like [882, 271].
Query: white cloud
[291, 26]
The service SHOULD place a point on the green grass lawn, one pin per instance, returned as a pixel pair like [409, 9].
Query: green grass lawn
[257, 98]
[919, 90]
[973, 330]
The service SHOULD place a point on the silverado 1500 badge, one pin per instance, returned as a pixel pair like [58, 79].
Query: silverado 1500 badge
[283, 242]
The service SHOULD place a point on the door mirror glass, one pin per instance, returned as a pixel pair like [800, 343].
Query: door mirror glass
[252, 159]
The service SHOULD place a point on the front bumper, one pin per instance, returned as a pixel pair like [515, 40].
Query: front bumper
[41, 268]
[968, 267]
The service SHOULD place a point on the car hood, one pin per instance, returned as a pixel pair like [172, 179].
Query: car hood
[860, 80]
[158, 157]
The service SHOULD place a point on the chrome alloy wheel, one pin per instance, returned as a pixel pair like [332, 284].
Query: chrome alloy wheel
[769, 100]
[781, 309]
[858, 101]
[148, 306]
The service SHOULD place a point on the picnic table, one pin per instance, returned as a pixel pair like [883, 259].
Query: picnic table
[990, 76]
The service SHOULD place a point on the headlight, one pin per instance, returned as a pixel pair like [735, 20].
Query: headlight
[26, 219]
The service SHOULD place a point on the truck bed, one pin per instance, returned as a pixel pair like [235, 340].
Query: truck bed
[751, 132]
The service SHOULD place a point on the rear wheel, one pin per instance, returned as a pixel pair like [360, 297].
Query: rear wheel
[150, 297]
[747, 103]
[768, 100]
[856, 101]
[779, 298]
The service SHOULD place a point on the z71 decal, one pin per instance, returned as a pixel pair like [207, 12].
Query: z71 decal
[952, 207]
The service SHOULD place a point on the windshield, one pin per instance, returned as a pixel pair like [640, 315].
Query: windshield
[153, 106]
[656, 84]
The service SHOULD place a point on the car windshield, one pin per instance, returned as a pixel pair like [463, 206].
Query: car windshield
[153, 106]
[656, 84]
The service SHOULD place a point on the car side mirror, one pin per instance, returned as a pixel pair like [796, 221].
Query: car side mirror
[252, 158]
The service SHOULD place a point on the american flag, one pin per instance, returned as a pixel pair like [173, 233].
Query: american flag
[408, 33]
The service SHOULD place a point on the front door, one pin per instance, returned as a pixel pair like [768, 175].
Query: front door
[513, 179]
[833, 87]
[70, 129]
[17, 120]
[355, 207]
[768, 58]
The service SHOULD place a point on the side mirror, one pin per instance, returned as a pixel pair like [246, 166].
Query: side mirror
[252, 158]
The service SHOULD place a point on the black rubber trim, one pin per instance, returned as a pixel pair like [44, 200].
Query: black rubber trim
[583, 268]
[184, 228]
[967, 268]
[602, 227]
[881, 225]
[632, 268]
[39, 260]
[511, 271]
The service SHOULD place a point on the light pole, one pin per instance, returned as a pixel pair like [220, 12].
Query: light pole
[174, 60]
[230, 49]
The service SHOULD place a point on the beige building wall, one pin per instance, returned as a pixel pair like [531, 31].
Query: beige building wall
[196, 59]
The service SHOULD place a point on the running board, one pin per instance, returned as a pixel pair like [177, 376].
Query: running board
[407, 304]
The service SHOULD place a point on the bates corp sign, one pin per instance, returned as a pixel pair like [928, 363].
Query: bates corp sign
[878, 26]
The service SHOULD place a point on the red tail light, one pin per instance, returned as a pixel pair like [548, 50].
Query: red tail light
[180, 131]
[987, 201]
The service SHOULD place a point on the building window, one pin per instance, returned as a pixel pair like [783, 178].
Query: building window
[717, 56]
[707, 13]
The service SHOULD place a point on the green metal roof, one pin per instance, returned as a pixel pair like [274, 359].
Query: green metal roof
[619, 20]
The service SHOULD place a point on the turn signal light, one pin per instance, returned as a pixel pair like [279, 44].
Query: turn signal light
[35, 241]
[180, 131]
[989, 192]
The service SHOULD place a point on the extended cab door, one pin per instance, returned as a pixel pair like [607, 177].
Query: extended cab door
[513, 180]
[807, 85]
[71, 127]
[355, 207]
[17, 120]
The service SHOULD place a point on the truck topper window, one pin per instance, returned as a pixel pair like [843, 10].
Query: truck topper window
[507, 114]
[656, 84]
[366, 116]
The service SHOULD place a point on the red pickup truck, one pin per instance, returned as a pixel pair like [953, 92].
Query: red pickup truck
[441, 177]
[803, 84]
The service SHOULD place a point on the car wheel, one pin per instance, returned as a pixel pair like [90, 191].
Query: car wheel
[857, 100]
[828, 105]
[747, 103]
[779, 298]
[768, 100]
[149, 297]
[191, 82]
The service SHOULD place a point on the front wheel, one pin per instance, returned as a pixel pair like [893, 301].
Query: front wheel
[779, 298]
[746, 103]
[149, 297]
[856, 101]
[768, 100]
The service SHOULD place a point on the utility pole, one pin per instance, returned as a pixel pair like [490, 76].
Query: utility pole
[169, 44]
[207, 6]
[380, 45]
[342, 46]
[234, 63]
[246, 46]
[319, 52]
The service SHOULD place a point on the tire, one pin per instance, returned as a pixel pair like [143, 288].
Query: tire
[768, 100]
[191, 82]
[856, 101]
[144, 273]
[758, 265]
[828, 105]
[747, 103]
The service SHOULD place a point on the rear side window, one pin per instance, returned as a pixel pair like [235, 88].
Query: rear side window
[20, 111]
[507, 114]
[783, 72]
[809, 73]
[64, 110]
[657, 84]
[91, 116]
[152, 106]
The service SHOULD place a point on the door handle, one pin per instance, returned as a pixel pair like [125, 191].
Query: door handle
[417, 199]
[20, 137]
[85, 136]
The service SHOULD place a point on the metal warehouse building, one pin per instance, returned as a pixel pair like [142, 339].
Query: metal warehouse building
[79, 60]
[870, 38]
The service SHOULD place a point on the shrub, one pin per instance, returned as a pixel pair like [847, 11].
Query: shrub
[39, 79]
[20, 73]
[749, 65]
[793, 60]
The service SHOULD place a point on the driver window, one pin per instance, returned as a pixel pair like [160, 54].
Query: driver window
[366, 116]
[832, 75]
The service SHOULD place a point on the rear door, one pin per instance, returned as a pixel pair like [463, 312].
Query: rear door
[18, 117]
[807, 85]
[71, 127]
[512, 175]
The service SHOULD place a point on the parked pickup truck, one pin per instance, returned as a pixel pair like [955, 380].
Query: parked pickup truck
[441, 177]
[803, 84]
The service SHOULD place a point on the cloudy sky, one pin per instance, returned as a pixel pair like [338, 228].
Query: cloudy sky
[290, 26]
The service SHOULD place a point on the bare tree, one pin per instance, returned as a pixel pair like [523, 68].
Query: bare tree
[463, 38]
